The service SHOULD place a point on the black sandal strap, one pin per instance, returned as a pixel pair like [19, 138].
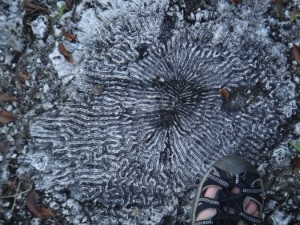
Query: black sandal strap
[250, 219]
[205, 203]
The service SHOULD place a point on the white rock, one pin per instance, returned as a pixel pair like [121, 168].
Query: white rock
[6, 204]
[9, 108]
[27, 83]
[47, 105]
[46, 88]
[280, 218]
[39, 26]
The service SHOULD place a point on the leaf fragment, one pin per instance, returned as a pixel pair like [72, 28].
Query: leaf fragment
[295, 145]
[33, 205]
[6, 117]
[235, 1]
[296, 163]
[23, 76]
[293, 16]
[296, 53]
[69, 3]
[34, 8]
[69, 36]
[65, 53]
[225, 93]
[7, 97]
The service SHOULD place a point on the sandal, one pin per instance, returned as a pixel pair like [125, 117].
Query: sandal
[227, 173]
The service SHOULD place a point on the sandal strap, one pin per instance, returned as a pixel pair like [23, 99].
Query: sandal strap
[205, 203]
[204, 222]
[250, 219]
[236, 201]
[217, 180]
[252, 190]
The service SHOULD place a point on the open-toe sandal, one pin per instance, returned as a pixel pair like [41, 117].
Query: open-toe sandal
[228, 173]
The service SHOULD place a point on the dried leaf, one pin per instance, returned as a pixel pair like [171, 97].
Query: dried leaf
[296, 53]
[296, 163]
[69, 36]
[69, 3]
[235, 1]
[10, 188]
[10, 184]
[65, 53]
[23, 76]
[279, 1]
[225, 93]
[34, 8]
[6, 117]
[7, 97]
[33, 205]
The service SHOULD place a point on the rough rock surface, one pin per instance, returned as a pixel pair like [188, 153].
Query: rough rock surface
[124, 129]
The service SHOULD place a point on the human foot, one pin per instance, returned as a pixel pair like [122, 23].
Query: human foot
[250, 206]
[230, 192]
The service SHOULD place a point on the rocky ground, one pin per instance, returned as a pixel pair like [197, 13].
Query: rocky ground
[31, 86]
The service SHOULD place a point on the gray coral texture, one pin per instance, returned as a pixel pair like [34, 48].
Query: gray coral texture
[145, 119]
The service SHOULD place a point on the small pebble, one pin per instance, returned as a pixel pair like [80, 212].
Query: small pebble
[84, 219]
[46, 88]
[6, 204]
[9, 108]
[297, 128]
[297, 79]
[27, 83]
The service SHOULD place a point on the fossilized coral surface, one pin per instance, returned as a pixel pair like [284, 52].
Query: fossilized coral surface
[144, 118]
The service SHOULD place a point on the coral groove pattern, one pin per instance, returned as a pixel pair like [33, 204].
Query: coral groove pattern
[146, 118]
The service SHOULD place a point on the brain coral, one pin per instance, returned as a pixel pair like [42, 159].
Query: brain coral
[145, 119]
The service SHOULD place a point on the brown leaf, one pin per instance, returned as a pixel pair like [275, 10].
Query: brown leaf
[235, 1]
[7, 97]
[281, 2]
[69, 36]
[6, 117]
[33, 205]
[296, 162]
[225, 93]
[65, 53]
[23, 76]
[10, 184]
[296, 53]
[10, 187]
[69, 3]
[34, 8]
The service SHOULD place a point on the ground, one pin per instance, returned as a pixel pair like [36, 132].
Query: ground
[33, 36]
